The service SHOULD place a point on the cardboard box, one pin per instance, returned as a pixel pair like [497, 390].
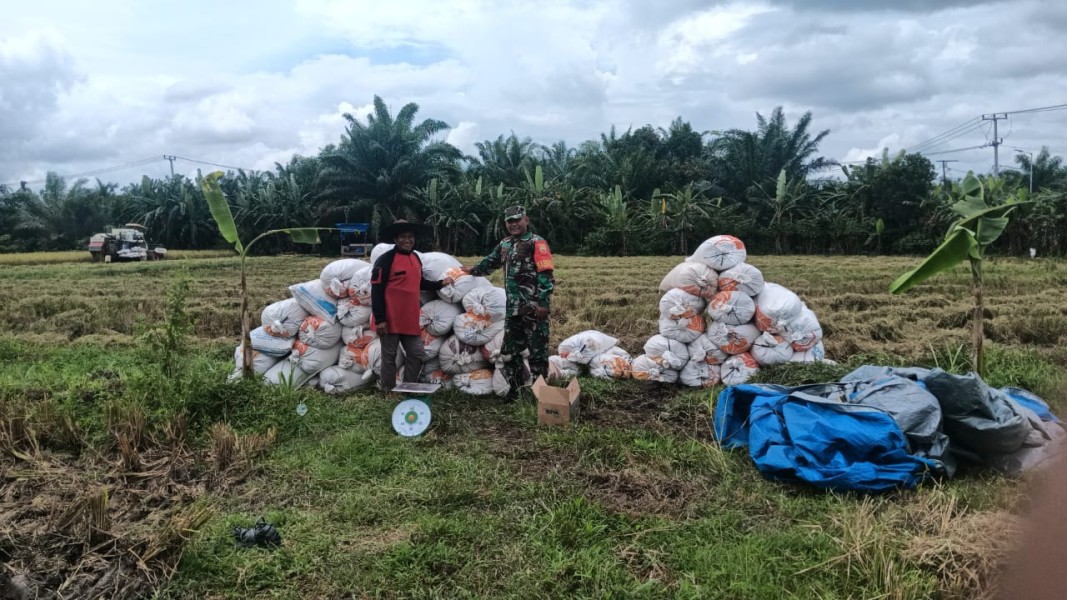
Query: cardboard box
[556, 405]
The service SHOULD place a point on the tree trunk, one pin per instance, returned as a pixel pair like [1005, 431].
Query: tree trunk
[978, 322]
[246, 338]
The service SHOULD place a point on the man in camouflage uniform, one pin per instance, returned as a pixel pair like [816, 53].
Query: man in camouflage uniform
[528, 283]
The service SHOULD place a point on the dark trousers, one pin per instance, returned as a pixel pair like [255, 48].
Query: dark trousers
[414, 354]
[525, 332]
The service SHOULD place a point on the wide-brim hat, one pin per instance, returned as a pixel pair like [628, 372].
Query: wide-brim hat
[389, 232]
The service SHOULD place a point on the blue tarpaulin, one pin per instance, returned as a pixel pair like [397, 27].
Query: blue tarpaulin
[882, 428]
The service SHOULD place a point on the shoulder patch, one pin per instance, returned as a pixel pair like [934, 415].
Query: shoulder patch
[542, 256]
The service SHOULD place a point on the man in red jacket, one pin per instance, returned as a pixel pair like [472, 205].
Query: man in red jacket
[396, 280]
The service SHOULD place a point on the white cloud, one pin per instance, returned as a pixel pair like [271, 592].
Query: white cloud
[85, 87]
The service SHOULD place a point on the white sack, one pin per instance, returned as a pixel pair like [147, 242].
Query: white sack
[487, 302]
[561, 368]
[491, 349]
[353, 334]
[698, 373]
[679, 304]
[770, 349]
[614, 363]
[476, 330]
[703, 349]
[286, 372]
[682, 330]
[434, 264]
[270, 345]
[320, 333]
[816, 354]
[672, 354]
[501, 385]
[458, 357]
[645, 368]
[359, 287]
[693, 278]
[804, 331]
[431, 344]
[335, 380]
[478, 382]
[352, 313]
[283, 319]
[739, 369]
[742, 278]
[461, 285]
[314, 299]
[311, 360]
[438, 317]
[261, 363]
[336, 277]
[378, 250]
[582, 347]
[733, 339]
[776, 307]
[720, 252]
[732, 308]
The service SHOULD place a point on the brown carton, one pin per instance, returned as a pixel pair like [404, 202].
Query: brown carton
[556, 405]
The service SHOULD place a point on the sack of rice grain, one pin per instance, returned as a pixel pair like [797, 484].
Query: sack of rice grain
[742, 278]
[732, 308]
[770, 349]
[776, 307]
[679, 304]
[352, 334]
[703, 349]
[697, 373]
[804, 331]
[581, 347]
[434, 264]
[488, 302]
[478, 382]
[682, 330]
[739, 369]
[270, 345]
[335, 380]
[439, 316]
[733, 339]
[314, 299]
[283, 318]
[816, 354]
[352, 313]
[311, 359]
[693, 278]
[672, 354]
[458, 357]
[720, 252]
[261, 363]
[614, 363]
[645, 368]
[320, 333]
[461, 285]
[286, 373]
[561, 368]
[431, 344]
[337, 276]
[476, 330]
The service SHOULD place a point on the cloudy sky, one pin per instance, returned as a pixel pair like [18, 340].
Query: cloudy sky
[91, 85]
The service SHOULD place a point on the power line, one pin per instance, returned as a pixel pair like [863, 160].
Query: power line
[95, 172]
[954, 150]
[962, 128]
[204, 162]
[1036, 110]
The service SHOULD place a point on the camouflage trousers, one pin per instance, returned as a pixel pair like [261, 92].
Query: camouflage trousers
[525, 332]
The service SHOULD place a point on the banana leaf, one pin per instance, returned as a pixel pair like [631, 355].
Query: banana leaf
[959, 246]
[220, 210]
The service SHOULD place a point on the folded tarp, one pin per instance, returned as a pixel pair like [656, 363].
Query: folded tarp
[882, 428]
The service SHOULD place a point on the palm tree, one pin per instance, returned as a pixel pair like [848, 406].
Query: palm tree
[377, 161]
[61, 217]
[1047, 171]
[506, 159]
[173, 210]
[749, 158]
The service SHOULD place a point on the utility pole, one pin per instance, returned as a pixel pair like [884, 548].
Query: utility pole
[944, 175]
[171, 159]
[996, 140]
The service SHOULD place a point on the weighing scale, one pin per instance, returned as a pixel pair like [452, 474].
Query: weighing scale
[412, 416]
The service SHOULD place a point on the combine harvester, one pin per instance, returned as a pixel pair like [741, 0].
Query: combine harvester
[124, 244]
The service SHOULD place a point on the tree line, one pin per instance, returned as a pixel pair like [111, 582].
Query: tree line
[642, 191]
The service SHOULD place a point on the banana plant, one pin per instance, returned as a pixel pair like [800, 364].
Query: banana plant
[220, 210]
[968, 238]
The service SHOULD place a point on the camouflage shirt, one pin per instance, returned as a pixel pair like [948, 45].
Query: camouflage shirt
[527, 264]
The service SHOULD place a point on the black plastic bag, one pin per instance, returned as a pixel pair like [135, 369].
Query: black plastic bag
[261, 534]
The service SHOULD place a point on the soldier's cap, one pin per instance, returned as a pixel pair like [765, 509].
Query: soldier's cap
[514, 213]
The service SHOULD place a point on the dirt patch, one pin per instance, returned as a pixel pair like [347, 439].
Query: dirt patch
[636, 493]
[652, 407]
[91, 527]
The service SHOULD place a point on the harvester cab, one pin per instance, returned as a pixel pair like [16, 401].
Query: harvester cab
[124, 243]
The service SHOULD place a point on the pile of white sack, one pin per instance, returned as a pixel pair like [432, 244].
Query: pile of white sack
[590, 351]
[719, 322]
[323, 336]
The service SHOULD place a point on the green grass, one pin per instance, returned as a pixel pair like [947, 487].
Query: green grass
[634, 500]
